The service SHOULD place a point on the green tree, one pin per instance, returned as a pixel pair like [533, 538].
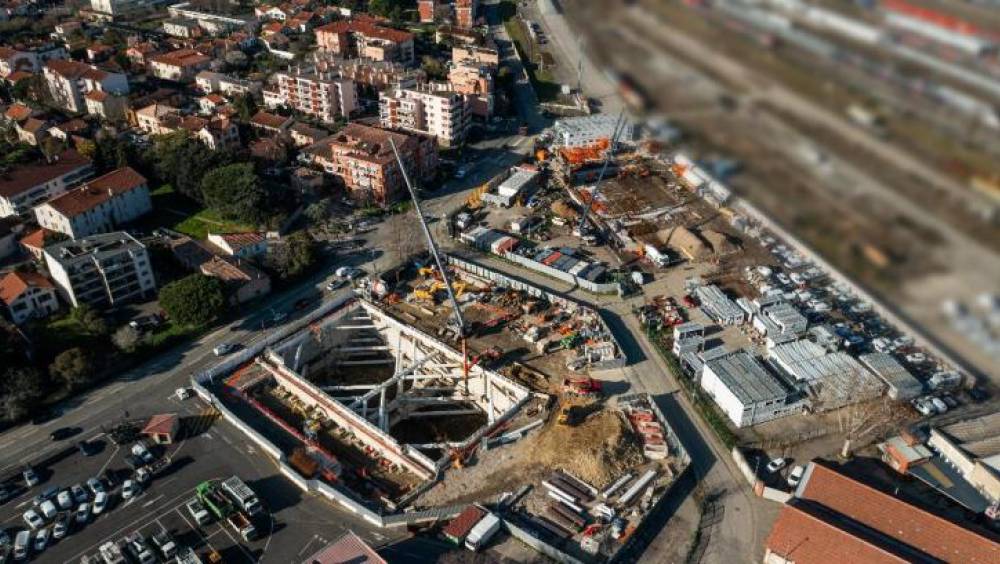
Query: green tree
[89, 320]
[181, 161]
[23, 388]
[435, 69]
[72, 367]
[245, 106]
[235, 192]
[193, 300]
[318, 212]
[292, 257]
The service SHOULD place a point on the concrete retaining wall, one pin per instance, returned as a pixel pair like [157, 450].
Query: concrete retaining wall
[538, 544]
[744, 466]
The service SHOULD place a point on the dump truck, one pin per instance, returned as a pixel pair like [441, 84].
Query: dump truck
[210, 494]
[238, 522]
[242, 495]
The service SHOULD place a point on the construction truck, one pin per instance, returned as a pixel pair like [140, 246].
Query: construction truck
[212, 497]
[242, 495]
[111, 553]
[581, 386]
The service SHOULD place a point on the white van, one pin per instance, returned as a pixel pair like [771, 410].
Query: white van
[21, 543]
[48, 509]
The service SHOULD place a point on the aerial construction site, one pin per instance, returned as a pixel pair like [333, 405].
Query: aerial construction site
[382, 405]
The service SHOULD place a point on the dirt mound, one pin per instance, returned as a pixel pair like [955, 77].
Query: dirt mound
[564, 210]
[598, 450]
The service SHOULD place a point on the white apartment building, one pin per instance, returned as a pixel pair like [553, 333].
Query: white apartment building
[322, 95]
[98, 206]
[208, 82]
[119, 7]
[69, 81]
[588, 130]
[28, 59]
[443, 114]
[103, 270]
[181, 65]
[25, 186]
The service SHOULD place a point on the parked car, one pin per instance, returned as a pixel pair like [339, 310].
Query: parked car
[95, 485]
[336, 285]
[224, 349]
[140, 450]
[183, 393]
[42, 539]
[164, 542]
[939, 405]
[100, 503]
[130, 489]
[65, 499]
[30, 477]
[198, 512]
[86, 448]
[796, 475]
[775, 465]
[61, 527]
[33, 519]
[45, 496]
[923, 406]
[79, 494]
[82, 513]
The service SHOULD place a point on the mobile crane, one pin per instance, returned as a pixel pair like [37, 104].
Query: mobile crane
[459, 321]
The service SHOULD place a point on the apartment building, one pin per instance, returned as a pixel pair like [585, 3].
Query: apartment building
[103, 270]
[362, 157]
[475, 53]
[98, 206]
[28, 58]
[181, 65]
[318, 94]
[70, 81]
[215, 19]
[23, 187]
[364, 37]
[463, 12]
[475, 82]
[466, 13]
[27, 295]
[443, 114]
[111, 107]
[370, 76]
[208, 82]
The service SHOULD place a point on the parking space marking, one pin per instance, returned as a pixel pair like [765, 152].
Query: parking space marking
[110, 458]
[154, 500]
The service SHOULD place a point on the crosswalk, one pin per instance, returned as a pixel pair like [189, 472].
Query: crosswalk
[198, 424]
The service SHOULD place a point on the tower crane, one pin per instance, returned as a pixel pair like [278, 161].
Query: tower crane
[616, 134]
[459, 321]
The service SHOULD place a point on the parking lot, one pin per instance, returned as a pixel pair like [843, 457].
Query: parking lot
[207, 448]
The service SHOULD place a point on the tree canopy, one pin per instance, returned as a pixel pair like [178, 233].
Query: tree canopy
[235, 192]
[73, 367]
[292, 257]
[182, 161]
[193, 300]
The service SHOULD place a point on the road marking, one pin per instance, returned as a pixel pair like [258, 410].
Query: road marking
[110, 458]
[308, 544]
[154, 500]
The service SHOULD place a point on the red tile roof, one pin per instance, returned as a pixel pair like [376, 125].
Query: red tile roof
[181, 58]
[75, 69]
[265, 119]
[18, 76]
[348, 549]
[97, 191]
[18, 112]
[804, 538]
[37, 238]
[160, 424]
[237, 241]
[368, 28]
[895, 518]
[97, 95]
[15, 283]
[22, 178]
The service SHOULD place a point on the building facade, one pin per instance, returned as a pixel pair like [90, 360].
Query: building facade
[25, 186]
[70, 81]
[98, 206]
[322, 95]
[365, 38]
[103, 270]
[442, 114]
[181, 65]
[27, 295]
[744, 390]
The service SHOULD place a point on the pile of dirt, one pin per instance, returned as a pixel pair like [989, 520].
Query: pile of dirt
[598, 450]
[564, 210]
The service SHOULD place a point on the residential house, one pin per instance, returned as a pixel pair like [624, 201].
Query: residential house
[180, 66]
[242, 280]
[70, 81]
[98, 206]
[322, 95]
[139, 53]
[208, 81]
[304, 135]
[33, 130]
[362, 158]
[101, 270]
[210, 103]
[271, 123]
[23, 187]
[68, 129]
[108, 106]
[443, 114]
[365, 37]
[13, 60]
[218, 133]
[239, 245]
[98, 52]
[181, 27]
[150, 118]
[27, 295]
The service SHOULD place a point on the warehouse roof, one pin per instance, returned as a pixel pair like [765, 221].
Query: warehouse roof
[746, 377]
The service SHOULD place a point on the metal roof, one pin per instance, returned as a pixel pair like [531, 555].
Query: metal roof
[746, 378]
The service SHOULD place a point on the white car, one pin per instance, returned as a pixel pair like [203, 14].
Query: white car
[33, 519]
[61, 527]
[42, 539]
[65, 499]
[796, 475]
[139, 450]
[30, 477]
[130, 489]
[183, 393]
[223, 349]
[923, 406]
[100, 503]
[336, 285]
[939, 405]
[95, 486]
[775, 465]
